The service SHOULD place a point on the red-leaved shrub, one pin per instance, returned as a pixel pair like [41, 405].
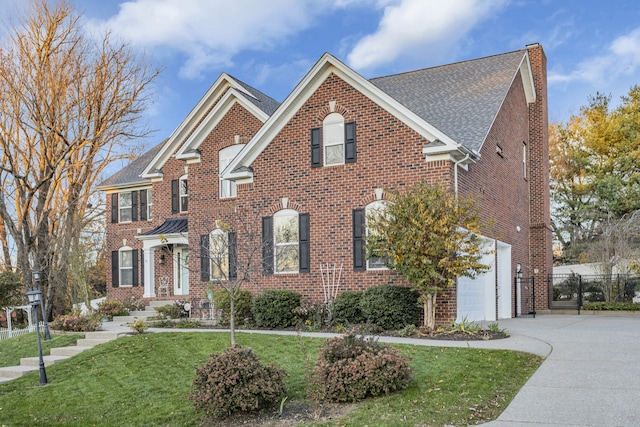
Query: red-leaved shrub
[352, 368]
[236, 381]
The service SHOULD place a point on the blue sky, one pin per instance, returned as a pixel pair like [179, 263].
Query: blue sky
[591, 46]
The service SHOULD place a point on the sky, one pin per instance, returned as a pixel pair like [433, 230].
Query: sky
[591, 46]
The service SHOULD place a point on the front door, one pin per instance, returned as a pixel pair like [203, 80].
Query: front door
[181, 284]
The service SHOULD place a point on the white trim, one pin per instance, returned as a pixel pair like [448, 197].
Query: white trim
[188, 151]
[195, 117]
[326, 66]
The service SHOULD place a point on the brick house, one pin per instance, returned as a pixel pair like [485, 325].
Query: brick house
[306, 171]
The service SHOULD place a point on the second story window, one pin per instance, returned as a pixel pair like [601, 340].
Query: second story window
[179, 195]
[184, 195]
[125, 207]
[333, 139]
[226, 155]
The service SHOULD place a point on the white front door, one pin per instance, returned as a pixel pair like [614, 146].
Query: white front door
[181, 284]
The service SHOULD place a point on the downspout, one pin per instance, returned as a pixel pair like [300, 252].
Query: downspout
[455, 173]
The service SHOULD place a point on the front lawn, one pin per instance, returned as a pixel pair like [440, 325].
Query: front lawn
[145, 379]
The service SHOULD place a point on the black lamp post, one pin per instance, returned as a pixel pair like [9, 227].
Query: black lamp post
[35, 299]
[36, 280]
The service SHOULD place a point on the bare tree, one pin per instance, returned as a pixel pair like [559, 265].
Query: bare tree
[68, 105]
[231, 251]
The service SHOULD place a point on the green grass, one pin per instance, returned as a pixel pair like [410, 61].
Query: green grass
[12, 349]
[144, 380]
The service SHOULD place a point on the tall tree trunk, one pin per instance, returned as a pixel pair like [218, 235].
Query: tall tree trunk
[232, 317]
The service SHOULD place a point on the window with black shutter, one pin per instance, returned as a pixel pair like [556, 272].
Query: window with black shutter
[303, 243]
[114, 208]
[175, 196]
[267, 245]
[204, 258]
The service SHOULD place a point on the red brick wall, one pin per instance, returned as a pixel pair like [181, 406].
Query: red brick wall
[541, 258]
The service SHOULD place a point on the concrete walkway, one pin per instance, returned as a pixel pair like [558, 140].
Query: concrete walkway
[590, 377]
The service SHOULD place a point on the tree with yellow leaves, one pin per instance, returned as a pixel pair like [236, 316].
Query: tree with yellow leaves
[430, 237]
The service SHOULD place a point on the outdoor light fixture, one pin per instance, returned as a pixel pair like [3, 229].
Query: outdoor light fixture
[161, 261]
[518, 271]
[35, 274]
[34, 296]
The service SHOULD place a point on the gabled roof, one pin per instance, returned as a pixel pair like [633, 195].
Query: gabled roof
[471, 90]
[461, 99]
[129, 176]
[263, 106]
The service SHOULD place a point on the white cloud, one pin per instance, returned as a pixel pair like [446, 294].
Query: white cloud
[209, 33]
[622, 58]
[408, 26]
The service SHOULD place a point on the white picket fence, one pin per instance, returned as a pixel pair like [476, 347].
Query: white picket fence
[10, 333]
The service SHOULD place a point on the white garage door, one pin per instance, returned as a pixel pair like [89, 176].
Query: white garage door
[477, 297]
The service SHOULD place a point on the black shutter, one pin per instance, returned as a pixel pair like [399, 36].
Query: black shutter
[142, 268]
[233, 257]
[175, 196]
[359, 258]
[316, 147]
[304, 257]
[134, 257]
[267, 245]
[134, 206]
[115, 269]
[114, 208]
[143, 205]
[350, 142]
[204, 258]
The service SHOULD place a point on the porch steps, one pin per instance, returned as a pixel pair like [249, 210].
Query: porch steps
[30, 364]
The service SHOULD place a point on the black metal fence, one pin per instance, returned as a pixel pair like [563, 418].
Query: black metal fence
[525, 296]
[572, 291]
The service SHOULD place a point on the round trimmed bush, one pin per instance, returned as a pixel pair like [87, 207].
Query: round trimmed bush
[236, 381]
[352, 368]
[274, 308]
[346, 308]
[390, 306]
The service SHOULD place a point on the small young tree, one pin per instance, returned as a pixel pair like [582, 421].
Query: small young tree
[429, 236]
[230, 254]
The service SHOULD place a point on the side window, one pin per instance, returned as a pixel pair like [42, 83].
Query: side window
[225, 156]
[524, 160]
[379, 261]
[149, 209]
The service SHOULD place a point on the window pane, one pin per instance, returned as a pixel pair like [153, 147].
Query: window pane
[124, 199]
[183, 187]
[334, 133]
[149, 205]
[125, 214]
[334, 154]
[126, 259]
[286, 229]
[126, 277]
[184, 203]
[287, 258]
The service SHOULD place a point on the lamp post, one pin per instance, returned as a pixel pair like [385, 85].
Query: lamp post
[36, 279]
[35, 299]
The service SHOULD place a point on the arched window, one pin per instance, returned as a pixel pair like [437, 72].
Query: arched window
[371, 210]
[219, 254]
[333, 139]
[184, 194]
[225, 156]
[285, 226]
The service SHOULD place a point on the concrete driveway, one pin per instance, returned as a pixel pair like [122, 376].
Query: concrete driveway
[591, 377]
